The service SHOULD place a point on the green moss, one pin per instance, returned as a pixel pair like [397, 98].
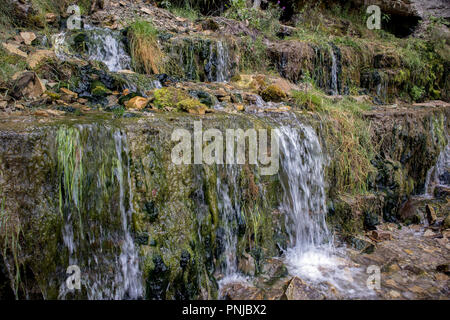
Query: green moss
[188, 104]
[273, 93]
[99, 89]
[169, 97]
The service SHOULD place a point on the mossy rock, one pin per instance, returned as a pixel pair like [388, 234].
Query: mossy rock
[169, 97]
[99, 89]
[273, 93]
[191, 105]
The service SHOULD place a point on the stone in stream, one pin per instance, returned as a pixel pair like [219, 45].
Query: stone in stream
[297, 289]
[431, 214]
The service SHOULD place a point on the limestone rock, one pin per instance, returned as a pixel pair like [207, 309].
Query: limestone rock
[431, 214]
[137, 103]
[247, 264]
[28, 37]
[35, 58]
[297, 289]
[14, 49]
[273, 93]
[28, 85]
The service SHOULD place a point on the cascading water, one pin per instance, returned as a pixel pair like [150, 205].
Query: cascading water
[311, 254]
[303, 202]
[102, 44]
[96, 205]
[218, 63]
[438, 174]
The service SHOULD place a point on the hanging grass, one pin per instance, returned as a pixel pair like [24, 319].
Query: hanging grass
[146, 55]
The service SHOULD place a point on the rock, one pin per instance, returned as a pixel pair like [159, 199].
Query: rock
[297, 289]
[273, 270]
[137, 103]
[431, 214]
[28, 37]
[193, 106]
[50, 18]
[446, 223]
[28, 85]
[394, 294]
[381, 235]
[35, 58]
[428, 233]
[247, 264]
[273, 93]
[441, 192]
[67, 95]
[444, 268]
[14, 49]
[241, 291]
[409, 212]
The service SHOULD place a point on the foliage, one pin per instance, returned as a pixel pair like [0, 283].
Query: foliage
[145, 52]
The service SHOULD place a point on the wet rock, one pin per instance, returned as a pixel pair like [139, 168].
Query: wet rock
[297, 289]
[273, 270]
[409, 212]
[185, 258]
[381, 235]
[446, 223]
[441, 192]
[371, 220]
[137, 103]
[241, 291]
[28, 85]
[444, 268]
[247, 264]
[151, 210]
[431, 214]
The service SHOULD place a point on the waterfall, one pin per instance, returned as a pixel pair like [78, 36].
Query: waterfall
[311, 254]
[102, 44]
[334, 76]
[303, 201]
[96, 205]
[439, 174]
[217, 67]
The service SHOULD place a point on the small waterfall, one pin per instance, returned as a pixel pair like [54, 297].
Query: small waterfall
[96, 205]
[438, 174]
[229, 210]
[311, 254]
[303, 185]
[101, 44]
[334, 77]
[222, 63]
[217, 67]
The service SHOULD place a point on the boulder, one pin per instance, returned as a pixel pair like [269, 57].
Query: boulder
[431, 214]
[137, 103]
[273, 93]
[27, 85]
[247, 264]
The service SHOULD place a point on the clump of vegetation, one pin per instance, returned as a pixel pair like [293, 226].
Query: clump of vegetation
[266, 21]
[145, 52]
[347, 136]
[168, 97]
[10, 64]
[253, 55]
